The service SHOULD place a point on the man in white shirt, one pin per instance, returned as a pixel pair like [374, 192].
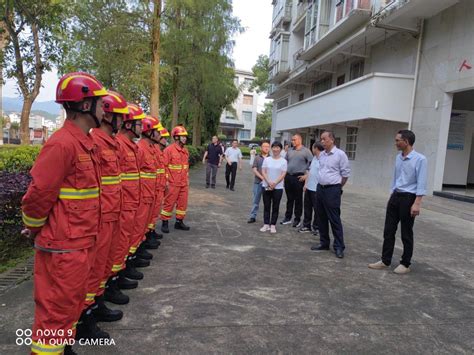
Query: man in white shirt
[233, 156]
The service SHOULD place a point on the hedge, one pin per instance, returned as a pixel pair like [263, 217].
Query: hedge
[19, 158]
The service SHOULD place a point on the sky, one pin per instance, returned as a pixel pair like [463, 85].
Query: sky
[255, 16]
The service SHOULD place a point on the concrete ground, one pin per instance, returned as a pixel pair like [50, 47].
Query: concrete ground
[225, 287]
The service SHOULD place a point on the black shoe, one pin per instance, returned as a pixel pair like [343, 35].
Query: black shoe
[112, 292]
[213, 186]
[227, 187]
[296, 224]
[304, 230]
[315, 232]
[104, 314]
[207, 186]
[164, 227]
[156, 235]
[131, 273]
[286, 221]
[180, 225]
[251, 220]
[339, 253]
[124, 282]
[87, 327]
[319, 248]
[142, 253]
[137, 262]
[232, 189]
[150, 242]
[68, 350]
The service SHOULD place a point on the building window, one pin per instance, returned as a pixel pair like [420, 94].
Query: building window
[321, 86]
[301, 97]
[311, 32]
[248, 82]
[351, 142]
[248, 100]
[357, 69]
[244, 134]
[247, 116]
[282, 103]
[341, 80]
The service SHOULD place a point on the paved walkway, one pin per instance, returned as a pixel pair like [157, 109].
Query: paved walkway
[226, 288]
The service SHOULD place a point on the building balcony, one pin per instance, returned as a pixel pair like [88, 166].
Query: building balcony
[350, 16]
[279, 71]
[374, 96]
[283, 16]
[300, 19]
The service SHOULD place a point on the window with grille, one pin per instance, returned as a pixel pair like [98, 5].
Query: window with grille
[282, 103]
[321, 85]
[351, 142]
[357, 69]
[248, 100]
[247, 116]
[245, 134]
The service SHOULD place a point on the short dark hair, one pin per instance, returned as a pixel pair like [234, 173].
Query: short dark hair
[330, 133]
[277, 144]
[407, 135]
[265, 141]
[318, 146]
[235, 140]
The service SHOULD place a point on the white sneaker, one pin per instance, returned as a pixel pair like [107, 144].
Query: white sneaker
[379, 265]
[265, 228]
[273, 229]
[401, 269]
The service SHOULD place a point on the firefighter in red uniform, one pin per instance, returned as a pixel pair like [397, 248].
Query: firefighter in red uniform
[115, 107]
[176, 158]
[160, 185]
[147, 164]
[61, 211]
[130, 177]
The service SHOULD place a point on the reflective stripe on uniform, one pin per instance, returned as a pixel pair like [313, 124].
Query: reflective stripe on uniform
[168, 214]
[145, 175]
[116, 267]
[111, 180]
[102, 284]
[175, 167]
[90, 296]
[132, 250]
[180, 212]
[66, 193]
[74, 325]
[151, 226]
[129, 176]
[160, 171]
[33, 222]
[40, 348]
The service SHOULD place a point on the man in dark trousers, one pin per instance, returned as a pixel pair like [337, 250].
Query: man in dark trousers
[334, 171]
[233, 156]
[299, 158]
[408, 188]
[213, 154]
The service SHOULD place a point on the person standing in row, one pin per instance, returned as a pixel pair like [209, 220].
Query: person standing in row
[310, 187]
[257, 185]
[273, 171]
[214, 155]
[334, 171]
[233, 156]
[408, 189]
[299, 157]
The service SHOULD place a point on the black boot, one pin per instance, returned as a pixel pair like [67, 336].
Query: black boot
[87, 327]
[180, 225]
[112, 292]
[68, 350]
[130, 272]
[164, 227]
[104, 314]
[137, 262]
[142, 253]
[157, 236]
[150, 242]
[125, 283]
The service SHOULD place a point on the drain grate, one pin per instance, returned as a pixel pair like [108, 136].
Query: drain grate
[16, 275]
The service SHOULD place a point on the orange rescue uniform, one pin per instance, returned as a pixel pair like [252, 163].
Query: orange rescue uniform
[160, 187]
[62, 205]
[176, 159]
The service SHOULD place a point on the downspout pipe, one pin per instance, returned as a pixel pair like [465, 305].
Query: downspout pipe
[417, 72]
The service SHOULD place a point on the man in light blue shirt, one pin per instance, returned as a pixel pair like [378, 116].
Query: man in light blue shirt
[311, 183]
[408, 188]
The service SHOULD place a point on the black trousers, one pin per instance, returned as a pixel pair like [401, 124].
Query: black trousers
[398, 210]
[230, 173]
[328, 208]
[309, 208]
[271, 205]
[294, 197]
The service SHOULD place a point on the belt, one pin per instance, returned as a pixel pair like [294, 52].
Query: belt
[296, 174]
[404, 193]
[328, 186]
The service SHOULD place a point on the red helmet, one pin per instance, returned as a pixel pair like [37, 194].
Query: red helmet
[75, 87]
[149, 123]
[136, 113]
[164, 132]
[115, 103]
[179, 130]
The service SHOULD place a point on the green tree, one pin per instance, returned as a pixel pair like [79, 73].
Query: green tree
[34, 28]
[264, 122]
[261, 71]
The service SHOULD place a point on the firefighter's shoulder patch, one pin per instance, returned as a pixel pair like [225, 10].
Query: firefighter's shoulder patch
[108, 152]
[84, 157]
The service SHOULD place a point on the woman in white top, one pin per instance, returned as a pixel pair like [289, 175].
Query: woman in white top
[273, 170]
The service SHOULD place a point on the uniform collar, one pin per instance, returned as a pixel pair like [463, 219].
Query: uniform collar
[178, 147]
[77, 133]
[127, 142]
[101, 134]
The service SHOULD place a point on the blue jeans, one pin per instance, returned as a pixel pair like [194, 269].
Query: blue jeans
[257, 195]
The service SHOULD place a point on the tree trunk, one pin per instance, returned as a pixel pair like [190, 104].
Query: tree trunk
[174, 118]
[197, 127]
[155, 68]
[25, 121]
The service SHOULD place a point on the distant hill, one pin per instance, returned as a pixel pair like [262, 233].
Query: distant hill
[12, 104]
